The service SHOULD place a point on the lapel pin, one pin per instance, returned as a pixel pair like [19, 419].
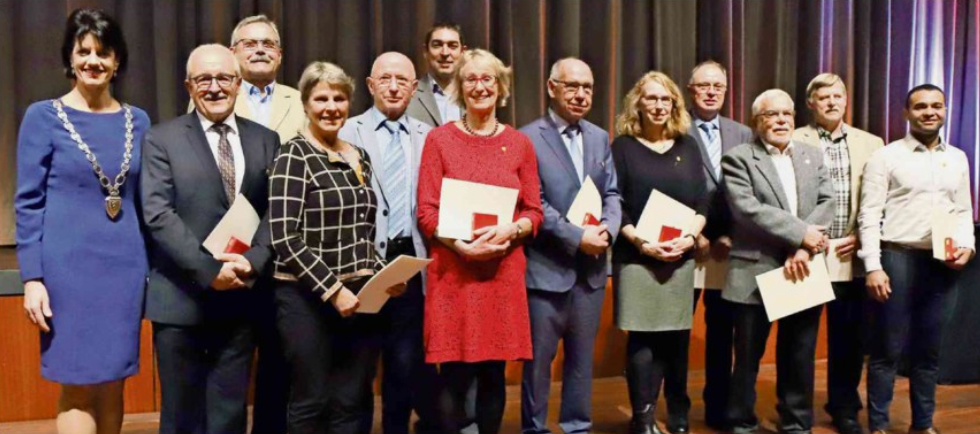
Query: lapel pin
[807, 161]
[503, 148]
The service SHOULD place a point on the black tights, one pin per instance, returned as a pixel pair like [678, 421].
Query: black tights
[654, 358]
[491, 394]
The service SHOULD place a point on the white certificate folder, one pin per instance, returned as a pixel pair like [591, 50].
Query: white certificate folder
[465, 206]
[586, 209]
[664, 219]
[235, 231]
[374, 294]
[783, 297]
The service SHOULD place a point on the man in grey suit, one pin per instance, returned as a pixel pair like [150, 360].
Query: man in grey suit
[566, 266]
[431, 104]
[782, 200]
[194, 167]
[394, 142]
[716, 135]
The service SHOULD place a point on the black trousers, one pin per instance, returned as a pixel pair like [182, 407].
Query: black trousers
[407, 382]
[491, 395]
[332, 360]
[796, 344]
[846, 333]
[272, 375]
[655, 358]
[204, 375]
[719, 341]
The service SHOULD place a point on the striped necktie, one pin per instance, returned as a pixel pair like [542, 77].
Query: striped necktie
[396, 182]
[226, 160]
[713, 147]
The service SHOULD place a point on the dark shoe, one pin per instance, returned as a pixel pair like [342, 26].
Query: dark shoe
[678, 426]
[847, 425]
[717, 425]
[930, 430]
[644, 422]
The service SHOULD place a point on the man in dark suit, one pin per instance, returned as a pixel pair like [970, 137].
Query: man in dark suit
[431, 103]
[716, 135]
[782, 200]
[566, 263]
[394, 142]
[200, 305]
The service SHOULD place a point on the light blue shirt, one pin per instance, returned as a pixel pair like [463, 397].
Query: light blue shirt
[712, 146]
[260, 105]
[383, 137]
[576, 152]
[448, 110]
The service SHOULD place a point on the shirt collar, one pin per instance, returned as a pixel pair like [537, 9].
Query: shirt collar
[435, 86]
[827, 135]
[560, 122]
[915, 145]
[714, 122]
[772, 150]
[230, 121]
[251, 89]
[378, 119]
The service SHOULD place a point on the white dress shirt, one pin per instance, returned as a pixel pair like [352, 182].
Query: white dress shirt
[234, 140]
[904, 183]
[783, 161]
[448, 110]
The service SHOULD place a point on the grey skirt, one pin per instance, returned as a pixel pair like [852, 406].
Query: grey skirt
[653, 301]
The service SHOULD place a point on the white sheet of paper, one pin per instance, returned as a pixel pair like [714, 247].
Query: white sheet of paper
[662, 210]
[588, 200]
[783, 297]
[374, 294]
[839, 269]
[710, 274]
[241, 221]
[943, 227]
[459, 200]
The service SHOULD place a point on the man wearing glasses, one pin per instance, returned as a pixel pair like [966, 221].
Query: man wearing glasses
[431, 103]
[194, 168]
[715, 135]
[566, 263]
[782, 200]
[394, 142]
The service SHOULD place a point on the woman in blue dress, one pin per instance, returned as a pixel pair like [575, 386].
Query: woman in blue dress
[81, 254]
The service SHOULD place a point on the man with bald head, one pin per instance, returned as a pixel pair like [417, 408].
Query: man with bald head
[782, 200]
[566, 262]
[394, 142]
[194, 168]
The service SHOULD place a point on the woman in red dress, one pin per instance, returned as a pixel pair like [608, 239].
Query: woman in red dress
[476, 315]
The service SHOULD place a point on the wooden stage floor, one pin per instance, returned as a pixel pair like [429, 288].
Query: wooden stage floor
[958, 409]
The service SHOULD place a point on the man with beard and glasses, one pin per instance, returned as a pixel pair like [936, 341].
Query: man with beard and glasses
[194, 168]
[394, 142]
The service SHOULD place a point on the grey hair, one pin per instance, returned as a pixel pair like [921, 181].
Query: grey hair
[766, 96]
[556, 67]
[261, 18]
[238, 69]
[707, 63]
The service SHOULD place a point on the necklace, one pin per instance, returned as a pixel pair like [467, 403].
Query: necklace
[466, 126]
[113, 202]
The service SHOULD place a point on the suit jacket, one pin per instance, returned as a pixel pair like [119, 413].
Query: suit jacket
[423, 105]
[765, 232]
[183, 200]
[286, 116]
[732, 135]
[359, 131]
[553, 257]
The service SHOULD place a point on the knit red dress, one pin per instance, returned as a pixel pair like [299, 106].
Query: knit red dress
[476, 311]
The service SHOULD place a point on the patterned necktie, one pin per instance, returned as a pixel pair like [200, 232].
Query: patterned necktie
[574, 148]
[396, 182]
[226, 160]
[714, 147]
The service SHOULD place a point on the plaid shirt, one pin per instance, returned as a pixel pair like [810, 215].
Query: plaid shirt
[838, 162]
[322, 216]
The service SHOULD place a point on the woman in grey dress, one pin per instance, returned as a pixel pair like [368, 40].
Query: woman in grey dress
[654, 278]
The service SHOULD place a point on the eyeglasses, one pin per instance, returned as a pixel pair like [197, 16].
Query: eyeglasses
[253, 44]
[772, 114]
[573, 88]
[385, 80]
[705, 87]
[487, 80]
[664, 101]
[204, 81]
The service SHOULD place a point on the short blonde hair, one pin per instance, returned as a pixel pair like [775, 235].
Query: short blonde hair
[324, 72]
[503, 73]
[630, 120]
[821, 81]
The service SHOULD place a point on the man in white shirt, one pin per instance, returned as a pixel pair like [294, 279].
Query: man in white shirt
[905, 184]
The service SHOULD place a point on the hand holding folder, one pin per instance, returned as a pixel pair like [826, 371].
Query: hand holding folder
[664, 219]
[467, 206]
[783, 296]
[375, 292]
[586, 209]
[233, 235]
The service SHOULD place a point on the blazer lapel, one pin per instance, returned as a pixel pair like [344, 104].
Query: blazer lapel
[590, 150]
[251, 151]
[768, 171]
[550, 133]
[428, 100]
[729, 134]
[803, 168]
[280, 108]
[199, 144]
[241, 105]
[365, 131]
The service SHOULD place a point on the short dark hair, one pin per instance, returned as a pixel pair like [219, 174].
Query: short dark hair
[444, 25]
[99, 24]
[922, 88]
